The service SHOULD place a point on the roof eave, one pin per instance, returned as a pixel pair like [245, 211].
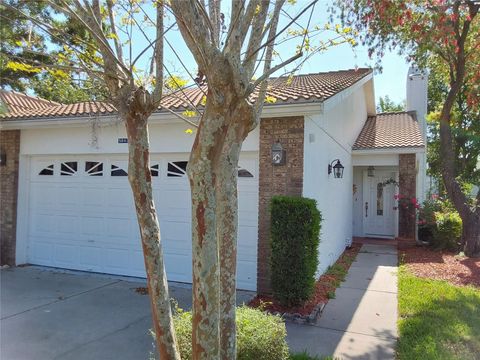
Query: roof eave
[273, 110]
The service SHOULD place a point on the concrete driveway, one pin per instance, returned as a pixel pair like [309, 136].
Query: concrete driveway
[50, 314]
[47, 314]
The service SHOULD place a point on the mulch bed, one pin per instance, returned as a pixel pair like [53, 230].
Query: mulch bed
[440, 265]
[325, 285]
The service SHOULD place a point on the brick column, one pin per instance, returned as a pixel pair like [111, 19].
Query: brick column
[276, 180]
[408, 189]
[10, 145]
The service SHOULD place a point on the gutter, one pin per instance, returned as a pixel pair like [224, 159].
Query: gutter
[398, 150]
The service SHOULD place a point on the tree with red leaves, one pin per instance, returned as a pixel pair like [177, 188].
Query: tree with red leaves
[447, 31]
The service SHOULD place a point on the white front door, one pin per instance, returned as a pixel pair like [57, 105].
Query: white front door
[378, 203]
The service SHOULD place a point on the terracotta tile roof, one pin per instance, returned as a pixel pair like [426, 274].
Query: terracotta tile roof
[17, 103]
[300, 89]
[390, 130]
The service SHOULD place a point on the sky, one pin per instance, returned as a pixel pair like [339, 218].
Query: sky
[391, 82]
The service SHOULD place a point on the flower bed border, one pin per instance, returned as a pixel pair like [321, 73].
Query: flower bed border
[325, 288]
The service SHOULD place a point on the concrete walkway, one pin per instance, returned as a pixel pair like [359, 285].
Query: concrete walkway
[361, 322]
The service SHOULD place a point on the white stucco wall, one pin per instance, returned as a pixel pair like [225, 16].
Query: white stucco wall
[330, 136]
[164, 138]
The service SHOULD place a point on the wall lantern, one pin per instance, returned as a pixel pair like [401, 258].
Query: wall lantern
[371, 171]
[278, 154]
[3, 158]
[337, 169]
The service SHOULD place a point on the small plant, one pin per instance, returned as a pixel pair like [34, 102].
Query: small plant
[259, 335]
[331, 294]
[448, 230]
[295, 230]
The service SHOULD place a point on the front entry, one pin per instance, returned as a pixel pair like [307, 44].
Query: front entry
[378, 204]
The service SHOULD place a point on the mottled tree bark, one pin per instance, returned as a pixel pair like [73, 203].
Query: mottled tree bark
[227, 223]
[212, 171]
[139, 106]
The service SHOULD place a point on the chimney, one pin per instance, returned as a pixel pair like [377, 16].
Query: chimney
[417, 87]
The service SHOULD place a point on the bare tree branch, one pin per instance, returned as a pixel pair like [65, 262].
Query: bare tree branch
[158, 53]
[253, 53]
[269, 72]
[113, 26]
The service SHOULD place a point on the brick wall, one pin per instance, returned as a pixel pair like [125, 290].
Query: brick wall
[276, 180]
[408, 189]
[10, 144]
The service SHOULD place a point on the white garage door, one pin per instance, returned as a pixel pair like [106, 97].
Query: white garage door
[81, 216]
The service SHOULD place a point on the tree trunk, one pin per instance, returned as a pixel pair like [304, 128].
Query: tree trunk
[212, 171]
[471, 235]
[139, 177]
[470, 217]
[227, 224]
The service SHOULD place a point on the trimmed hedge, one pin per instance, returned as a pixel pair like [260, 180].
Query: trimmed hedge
[259, 335]
[295, 229]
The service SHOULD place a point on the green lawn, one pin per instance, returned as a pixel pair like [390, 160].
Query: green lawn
[305, 356]
[437, 320]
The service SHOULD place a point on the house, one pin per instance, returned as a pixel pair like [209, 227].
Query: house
[66, 201]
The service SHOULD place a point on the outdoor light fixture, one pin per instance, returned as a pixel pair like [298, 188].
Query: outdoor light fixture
[337, 169]
[371, 171]
[278, 154]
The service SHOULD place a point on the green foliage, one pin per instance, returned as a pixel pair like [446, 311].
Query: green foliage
[48, 66]
[174, 82]
[295, 229]
[465, 123]
[20, 42]
[259, 335]
[66, 90]
[440, 224]
[447, 231]
[387, 105]
[437, 321]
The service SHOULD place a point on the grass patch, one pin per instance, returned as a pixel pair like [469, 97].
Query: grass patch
[305, 356]
[437, 320]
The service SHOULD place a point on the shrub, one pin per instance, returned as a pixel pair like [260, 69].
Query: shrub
[436, 224]
[295, 228]
[447, 231]
[259, 335]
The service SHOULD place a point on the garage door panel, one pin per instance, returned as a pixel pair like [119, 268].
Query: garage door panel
[93, 226]
[43, 196]
[120, 260]
[69, 197]
[121, 228]
[42, 252]
[93, 197]
[91, 258]
[89, 223]
[179, 267]
[120, 198]
[43, 224]
[66, 255]
[247, 275]
[68, 224]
